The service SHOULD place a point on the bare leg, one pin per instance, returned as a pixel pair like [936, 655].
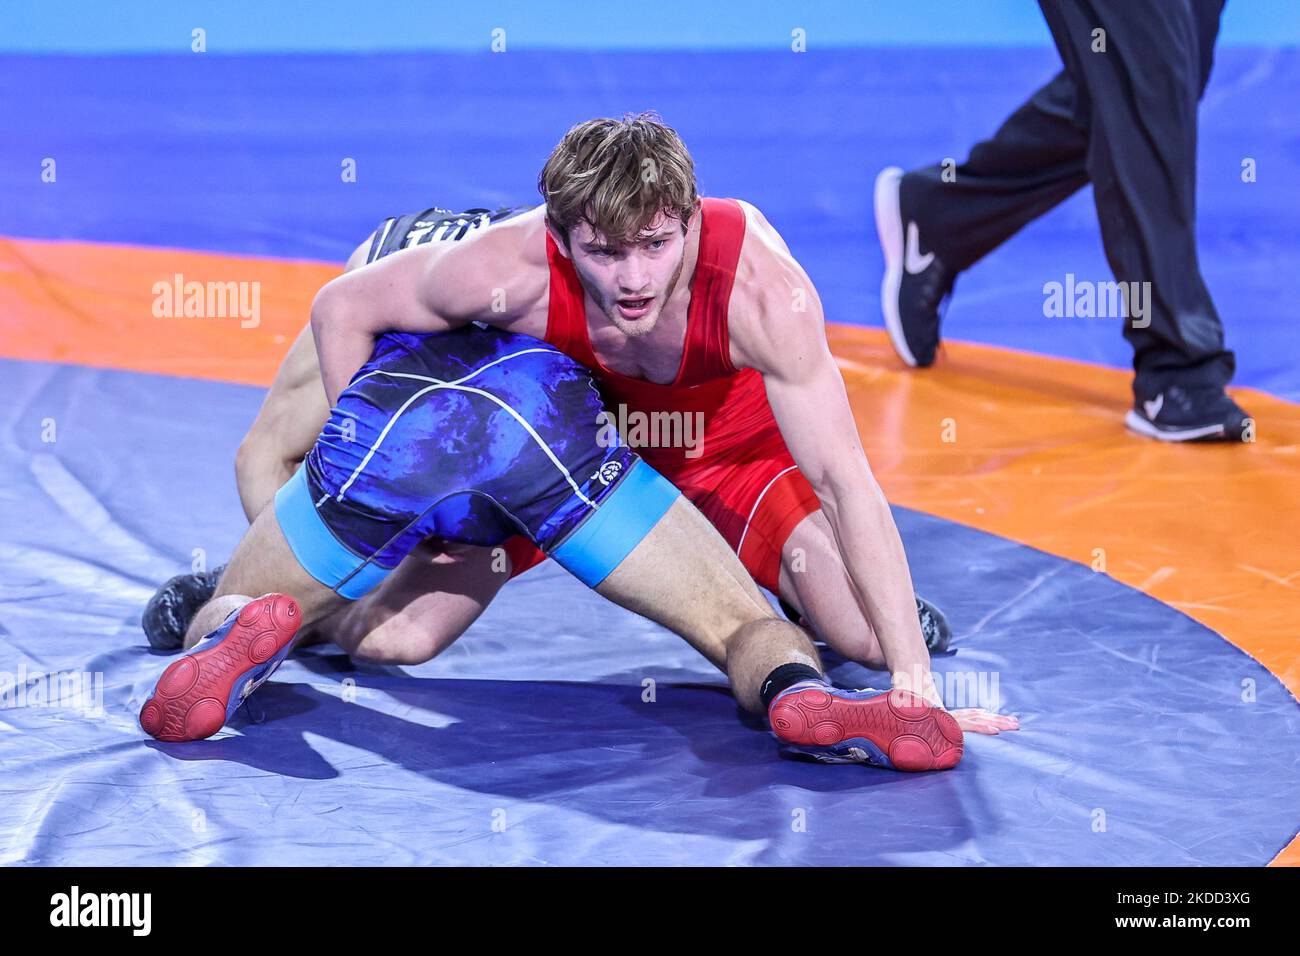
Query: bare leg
[685, 577]
[682, 575]
[813, 579]
[198, 693]
[756, 649]
[420, 609]
[262, 563]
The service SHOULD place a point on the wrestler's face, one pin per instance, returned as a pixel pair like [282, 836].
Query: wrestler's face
[630, 281]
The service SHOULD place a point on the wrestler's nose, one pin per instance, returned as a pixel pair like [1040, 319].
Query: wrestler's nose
[633, 276]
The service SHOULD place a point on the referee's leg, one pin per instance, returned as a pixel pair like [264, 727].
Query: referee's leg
[1143, 74]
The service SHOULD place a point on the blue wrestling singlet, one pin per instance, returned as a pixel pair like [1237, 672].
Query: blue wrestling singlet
[471, 436]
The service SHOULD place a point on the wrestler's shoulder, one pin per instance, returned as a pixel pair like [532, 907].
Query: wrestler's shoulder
[771, 296]
[754, 216]
[766, 268]
[499, 275]
[518, 241]
[764, 256]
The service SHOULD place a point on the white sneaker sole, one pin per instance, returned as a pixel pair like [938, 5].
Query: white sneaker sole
[889, 227]
[1137, 423]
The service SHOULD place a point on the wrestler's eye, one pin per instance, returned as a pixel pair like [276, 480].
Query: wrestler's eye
[657, 244]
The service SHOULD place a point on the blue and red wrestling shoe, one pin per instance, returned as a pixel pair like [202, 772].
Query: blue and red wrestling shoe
[895, 728]
[198, 694]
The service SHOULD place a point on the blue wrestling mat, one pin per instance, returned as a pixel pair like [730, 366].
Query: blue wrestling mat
[583, 735]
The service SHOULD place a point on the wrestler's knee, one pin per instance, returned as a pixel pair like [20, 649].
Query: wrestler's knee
[383, 638]
[259, 471]
[854, 641]
[249, 456]
[379, 632]
[831, 614]
[865, 652]
[857, 643]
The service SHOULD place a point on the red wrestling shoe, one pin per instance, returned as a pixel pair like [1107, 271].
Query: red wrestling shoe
[197, 695]
[895, 729]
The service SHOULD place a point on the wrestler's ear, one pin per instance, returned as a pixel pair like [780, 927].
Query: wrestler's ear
[560, 239]
[686, 224]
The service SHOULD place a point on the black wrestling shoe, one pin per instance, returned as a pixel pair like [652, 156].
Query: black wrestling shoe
[1192, 413]
[168, 614]
[916, 287]
[934, 623]
[934, 626]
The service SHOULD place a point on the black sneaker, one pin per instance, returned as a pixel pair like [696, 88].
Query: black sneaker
[1192, 413]
[916, 287]
[934, 623]
[168, 614]
[934, 626]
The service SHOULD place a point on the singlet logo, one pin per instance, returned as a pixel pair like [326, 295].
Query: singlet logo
[453, 226]
[608, 472]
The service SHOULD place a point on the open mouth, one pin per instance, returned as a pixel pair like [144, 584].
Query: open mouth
[635, 308]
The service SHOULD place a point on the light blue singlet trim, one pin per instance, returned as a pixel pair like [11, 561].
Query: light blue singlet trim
[623, 519]
[317, 550]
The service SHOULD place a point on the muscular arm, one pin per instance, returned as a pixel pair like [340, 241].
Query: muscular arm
[434, 287]
[784, 338]
[350, 311]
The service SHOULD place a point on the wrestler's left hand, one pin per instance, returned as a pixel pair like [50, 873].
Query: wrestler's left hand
[974, 720]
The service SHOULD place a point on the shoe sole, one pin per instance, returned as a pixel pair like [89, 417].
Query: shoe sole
[889, 228]
[1142, 426]
[913, 735]
[196, 695]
